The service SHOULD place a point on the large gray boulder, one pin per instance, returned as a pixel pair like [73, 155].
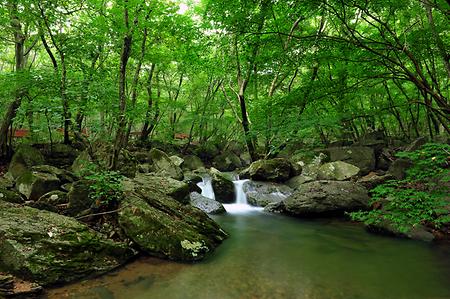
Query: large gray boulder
[23, 159]
[261, 194]
[173, 188]
[223, 186]
[49, 248]
[311, 169]
[178, 161]
[78, 197]
[399, 167]
[360, 156]
[227, 161]
[337, 171]
[192, 163]
[10, 196]
[84, 164]
[207, 205]
[296, 181]
[276, 170]
[163, 227]
[35, 184]
[322, 198]
[162, 165]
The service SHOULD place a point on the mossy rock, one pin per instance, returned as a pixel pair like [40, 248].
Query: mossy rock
[78, 197]
[192, 163]
[223, 186]
[337, 171]
[49, 248]
[207, 205]
[23, 159]
[35, 184]
[162, 165]
[163, 227]
[10, 196]
[173, 188]
[83, 165]
[227, 161]
[276, 170]
[327, 198]
[63, 175]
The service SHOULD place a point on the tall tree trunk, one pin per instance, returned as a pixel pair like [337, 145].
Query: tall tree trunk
[19, 41]
[64, 99]
[124, 57]
[149, 122]
[134, 85]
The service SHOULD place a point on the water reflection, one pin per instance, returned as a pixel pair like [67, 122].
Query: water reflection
[277, 257]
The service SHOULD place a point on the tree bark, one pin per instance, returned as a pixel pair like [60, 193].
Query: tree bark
[124, 57]
[19, 41]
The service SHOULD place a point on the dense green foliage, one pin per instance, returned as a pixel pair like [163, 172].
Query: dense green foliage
[262, 72]
[419, 199]
[105, 188]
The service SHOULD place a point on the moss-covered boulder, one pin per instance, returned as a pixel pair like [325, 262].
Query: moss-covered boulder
[360, 156]
[192, 162]
[207, 205]
[49, 248]
[337, 171]
[59, 155]
[399, 167]
[10, 196]
[35, 184]
[299, 180]
[173, 188]
[54, 198]
[223, 186]
[276, 170]
[261, 194]
[163, 227]
[23, 159]
[63, 175]
[324, 198]
[228, 161]
[311, 169]
[78, 197]
[177, 161]
[162, 165]
[83, 164]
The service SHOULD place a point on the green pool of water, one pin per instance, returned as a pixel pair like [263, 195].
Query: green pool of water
[270, 256]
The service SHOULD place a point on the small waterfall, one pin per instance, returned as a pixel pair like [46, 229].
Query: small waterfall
[240, 206]
[241, 197]
[206, 186]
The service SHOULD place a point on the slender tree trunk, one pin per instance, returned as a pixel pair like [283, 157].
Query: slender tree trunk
[134, 85]
[124, 57]
[19, 41]
[148, 123]
[65, 100]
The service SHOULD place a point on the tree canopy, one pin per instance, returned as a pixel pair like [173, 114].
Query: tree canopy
[262, 72]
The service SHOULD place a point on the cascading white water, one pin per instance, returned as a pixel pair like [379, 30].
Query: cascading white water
[240, 206]
[206, 186]
[241, 197]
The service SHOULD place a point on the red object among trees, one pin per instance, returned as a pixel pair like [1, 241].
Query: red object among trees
[181, 136]
[20, 133]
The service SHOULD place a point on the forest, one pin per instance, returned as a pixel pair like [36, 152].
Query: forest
[124, 123]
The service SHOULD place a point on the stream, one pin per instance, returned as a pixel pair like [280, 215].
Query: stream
[274, 256]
